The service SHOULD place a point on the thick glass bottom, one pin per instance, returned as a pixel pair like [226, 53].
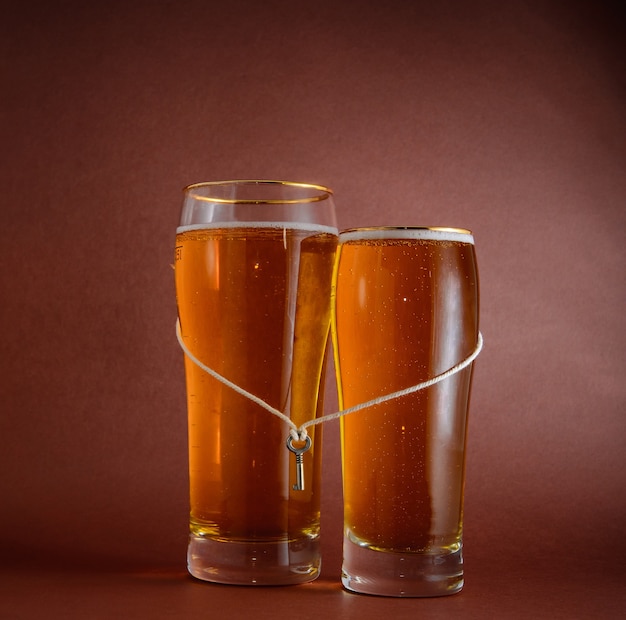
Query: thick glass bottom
[385, 573]
[260, 563]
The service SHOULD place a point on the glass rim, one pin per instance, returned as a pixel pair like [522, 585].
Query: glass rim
[431, 233]
[323, 192]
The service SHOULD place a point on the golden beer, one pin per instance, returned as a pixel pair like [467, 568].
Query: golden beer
[254, 306]
[405, 310]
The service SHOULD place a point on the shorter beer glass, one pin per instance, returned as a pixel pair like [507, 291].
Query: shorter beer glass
[405, 310]
[254, 264]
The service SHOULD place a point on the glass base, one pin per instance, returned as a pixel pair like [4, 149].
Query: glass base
[385, 573]
[254, 563]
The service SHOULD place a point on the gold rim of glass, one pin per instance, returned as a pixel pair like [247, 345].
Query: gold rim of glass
[451, 229]
[323, 192]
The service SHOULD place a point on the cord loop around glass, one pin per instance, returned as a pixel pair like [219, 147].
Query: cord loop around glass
[299, 433]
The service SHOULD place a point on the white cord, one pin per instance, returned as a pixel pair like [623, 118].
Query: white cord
[300, 433]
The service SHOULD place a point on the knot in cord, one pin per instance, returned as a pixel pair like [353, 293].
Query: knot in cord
[298, 434]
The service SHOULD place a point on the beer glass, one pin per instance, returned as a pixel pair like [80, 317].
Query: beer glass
[253, 269]
[405, 309]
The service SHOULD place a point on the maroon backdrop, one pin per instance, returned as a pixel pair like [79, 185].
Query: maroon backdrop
[507, 118]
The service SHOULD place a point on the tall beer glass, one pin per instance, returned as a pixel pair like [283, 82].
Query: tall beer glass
[253, 265]
[405, 310]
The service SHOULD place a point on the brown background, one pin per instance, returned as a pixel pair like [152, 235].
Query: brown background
[508, 118]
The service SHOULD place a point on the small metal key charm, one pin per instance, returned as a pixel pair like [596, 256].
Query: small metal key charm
[299, 486]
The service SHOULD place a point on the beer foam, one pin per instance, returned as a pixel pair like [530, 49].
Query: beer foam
[425, 234]
[302, 226]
